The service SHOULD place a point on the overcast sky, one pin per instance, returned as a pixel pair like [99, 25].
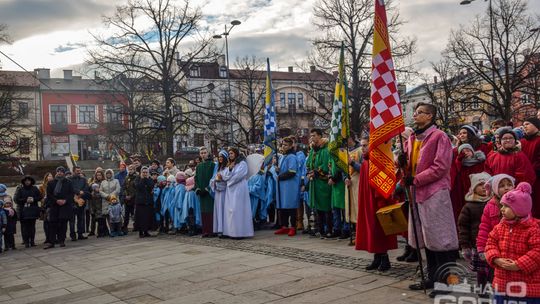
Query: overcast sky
[53, 33]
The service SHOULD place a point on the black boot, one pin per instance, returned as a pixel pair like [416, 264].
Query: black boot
[413, 256]
[375, 263]
[385, 263]
[406, 253]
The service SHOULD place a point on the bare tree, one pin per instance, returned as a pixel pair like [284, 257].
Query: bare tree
[10, 125]
[157, 41]
[351, 21]
[446, 92]
[495, 51]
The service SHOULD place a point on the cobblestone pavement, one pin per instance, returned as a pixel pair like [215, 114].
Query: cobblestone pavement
[399, 270]
[180, 269]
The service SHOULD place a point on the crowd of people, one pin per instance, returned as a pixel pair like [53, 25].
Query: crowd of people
[489, 182]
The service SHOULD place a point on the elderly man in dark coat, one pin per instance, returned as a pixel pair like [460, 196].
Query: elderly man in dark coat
[60, 194]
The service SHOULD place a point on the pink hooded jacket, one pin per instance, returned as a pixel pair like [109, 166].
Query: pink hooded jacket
[492, 212]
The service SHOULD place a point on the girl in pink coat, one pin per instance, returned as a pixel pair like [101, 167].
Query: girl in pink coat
[497, 186]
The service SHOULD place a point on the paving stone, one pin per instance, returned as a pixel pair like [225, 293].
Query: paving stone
[206, 296]
[322, 295]
[304, 285]
[143, 299]
[367, 283]
[258, 283]
[252, 297]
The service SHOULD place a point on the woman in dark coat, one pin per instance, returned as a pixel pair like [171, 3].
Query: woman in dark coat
[26, 198]
[144, 209]
[60, 195]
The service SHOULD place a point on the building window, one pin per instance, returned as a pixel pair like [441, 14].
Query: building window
[114, 114]
[24, 145]
[212, 103]
[525, 99]
[321, 99]
[292, 99]
[300, 100]
[225, 96]
[197, 96]
[475, 104]
[282, 100]
[198, 139]
[195, 71]
[59, 114]
[223, 72]
[87, 114]
[23, 110]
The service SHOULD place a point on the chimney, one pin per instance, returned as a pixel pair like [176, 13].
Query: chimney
[481, 63]
[43, 73]
[435, 79]
[312, 68]
[291, 69]
[68, 74]
[96, 75]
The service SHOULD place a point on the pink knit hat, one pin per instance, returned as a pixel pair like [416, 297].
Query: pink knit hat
[492, 186]
[519, 199]
[181, 177]
[190, 183]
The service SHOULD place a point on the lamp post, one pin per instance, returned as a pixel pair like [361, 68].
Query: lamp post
[494, 92]
[226, 35]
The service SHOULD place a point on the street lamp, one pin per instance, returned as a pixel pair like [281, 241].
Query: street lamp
[219, 36]
[494, 93]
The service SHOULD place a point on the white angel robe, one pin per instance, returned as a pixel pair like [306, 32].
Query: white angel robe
[237, 218]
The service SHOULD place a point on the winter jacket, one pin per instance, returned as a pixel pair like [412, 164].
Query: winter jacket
[531, 148]
[115, 213]
[80, 184]
[106, 188]
[434, 162]
[519, 241]
[515, 164]
[491, 216]
[128, 189]
[468, 223]
[57, 212]
[3, 221]
[94, 203]
[144, 188]
[11, 223]
[27, 211]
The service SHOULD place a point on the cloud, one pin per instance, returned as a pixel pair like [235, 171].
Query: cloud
[69, 47]
[27, 18]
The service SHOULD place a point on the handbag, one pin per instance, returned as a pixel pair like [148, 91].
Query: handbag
[392, 219]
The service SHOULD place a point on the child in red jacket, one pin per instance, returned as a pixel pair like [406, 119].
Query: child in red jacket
[513, 249]
[496, 186]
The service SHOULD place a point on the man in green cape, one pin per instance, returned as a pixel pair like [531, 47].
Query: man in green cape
[320, 192]
[203, 174]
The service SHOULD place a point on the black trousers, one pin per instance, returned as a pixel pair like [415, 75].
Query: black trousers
[78, 218]
[129, 211]
[324, 218]
[57, 230]
[103, 230]
[9, 240]
[438, 263]
[285, 215]
[87, 219]
[28, 231]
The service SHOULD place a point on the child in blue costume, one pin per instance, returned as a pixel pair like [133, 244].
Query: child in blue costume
[257, 196]
[161, 183]
[178, 200]
[191, 208]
